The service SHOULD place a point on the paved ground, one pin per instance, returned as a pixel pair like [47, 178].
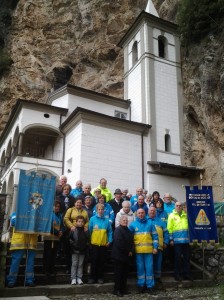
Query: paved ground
[216, 292]
[102, 292]
[26, 298]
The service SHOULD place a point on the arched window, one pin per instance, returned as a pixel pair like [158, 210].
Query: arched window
[8, 154]
[162, 46]
[134, 53]
[2, 161]
[167, 143]
[16, 137]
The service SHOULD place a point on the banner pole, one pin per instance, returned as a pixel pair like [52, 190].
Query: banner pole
[203, 258]
[201, 179]
[24, 284]
[37, 166]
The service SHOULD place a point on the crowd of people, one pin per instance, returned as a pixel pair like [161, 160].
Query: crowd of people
[86, 222]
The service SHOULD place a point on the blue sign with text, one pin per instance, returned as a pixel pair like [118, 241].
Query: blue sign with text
[201, 215]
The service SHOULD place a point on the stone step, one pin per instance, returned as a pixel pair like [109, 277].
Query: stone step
[70, 290]
[63, 278]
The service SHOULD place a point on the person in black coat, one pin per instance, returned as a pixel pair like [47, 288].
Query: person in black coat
[65, 199]
[121, 252]
[116, 204]
[59, 187]
[78, 240]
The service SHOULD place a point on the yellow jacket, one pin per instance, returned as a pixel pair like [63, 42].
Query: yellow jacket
[23, 241]
[106, 192]
[72, 213]
[177, 226]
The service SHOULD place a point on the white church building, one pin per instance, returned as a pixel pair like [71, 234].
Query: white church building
[135, 141]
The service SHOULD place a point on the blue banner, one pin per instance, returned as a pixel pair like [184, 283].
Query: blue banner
[201, 215]
[35, 203]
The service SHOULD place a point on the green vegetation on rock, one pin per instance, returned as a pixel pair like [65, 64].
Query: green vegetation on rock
[198, 18]
[5, 22]
[5, 62]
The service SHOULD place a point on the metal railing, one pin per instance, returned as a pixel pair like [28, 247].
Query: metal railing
[33, 152]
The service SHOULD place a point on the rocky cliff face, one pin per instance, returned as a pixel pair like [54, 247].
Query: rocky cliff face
[203, 78]
[58, 41]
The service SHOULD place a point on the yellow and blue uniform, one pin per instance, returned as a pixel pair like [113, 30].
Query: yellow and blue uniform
[169, 207]
[20, 244]
[108, 212]
[100, 231]
[22, 241]
[164, 238]
[136, 206]
[134, 199]
[162, 214]
[145, 240]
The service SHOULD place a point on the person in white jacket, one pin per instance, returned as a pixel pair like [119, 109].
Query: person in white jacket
[125, 211]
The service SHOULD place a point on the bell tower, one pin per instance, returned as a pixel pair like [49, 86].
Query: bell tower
[152, 81]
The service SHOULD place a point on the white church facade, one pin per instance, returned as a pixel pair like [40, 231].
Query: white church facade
[135, 141]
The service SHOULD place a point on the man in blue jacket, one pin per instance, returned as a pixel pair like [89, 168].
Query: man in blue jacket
[140, 204]
[146, 244]
[164, 239]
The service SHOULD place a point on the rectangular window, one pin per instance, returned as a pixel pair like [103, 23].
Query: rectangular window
[120, 114]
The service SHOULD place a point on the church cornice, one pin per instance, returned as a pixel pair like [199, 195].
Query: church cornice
[155, 58]
[163, 168]
[89, 116]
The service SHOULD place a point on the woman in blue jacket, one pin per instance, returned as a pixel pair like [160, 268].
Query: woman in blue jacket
[101, 237]
[108, 210]
[160, 212]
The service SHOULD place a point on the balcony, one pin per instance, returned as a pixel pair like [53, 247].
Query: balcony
[37, 143]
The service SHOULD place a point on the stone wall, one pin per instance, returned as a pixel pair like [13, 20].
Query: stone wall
[213, 260]
[213, 256]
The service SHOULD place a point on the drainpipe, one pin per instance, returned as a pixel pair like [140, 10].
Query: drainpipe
[142, 152]
[129, 110]
[63, 151]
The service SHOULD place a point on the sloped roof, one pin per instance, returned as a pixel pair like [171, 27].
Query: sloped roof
[150, 8]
